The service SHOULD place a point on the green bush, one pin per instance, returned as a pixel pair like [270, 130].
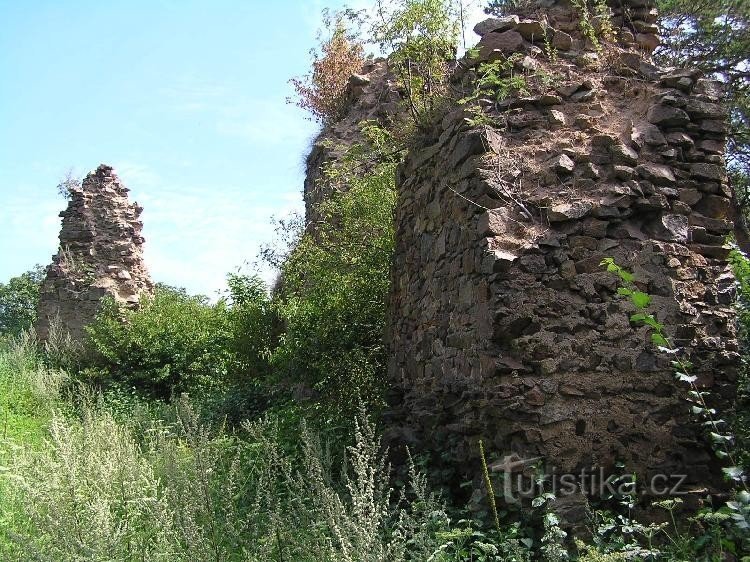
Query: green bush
[173, 343]
[422, 38]
[741, 268]
[336, 282]
[176, 343]
[254, 325]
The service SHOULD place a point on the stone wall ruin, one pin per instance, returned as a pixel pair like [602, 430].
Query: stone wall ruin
[503, 325]
[100, 254]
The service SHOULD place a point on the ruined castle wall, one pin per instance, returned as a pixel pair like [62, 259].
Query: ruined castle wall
[503, 325]
[100, 254]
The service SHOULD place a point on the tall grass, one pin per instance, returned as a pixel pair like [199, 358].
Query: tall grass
[29, 391]
[81, 483]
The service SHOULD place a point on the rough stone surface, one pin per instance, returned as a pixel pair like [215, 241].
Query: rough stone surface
[495, 25]
[505, 42]
[504, 326]
[101, 254]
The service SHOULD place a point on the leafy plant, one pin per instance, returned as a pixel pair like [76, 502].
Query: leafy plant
[421, 37]
[69, 183]
[497, 80]
[336, 281]
[173, 343]
[716, 429]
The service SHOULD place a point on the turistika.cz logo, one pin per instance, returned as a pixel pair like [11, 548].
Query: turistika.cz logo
[592, 482]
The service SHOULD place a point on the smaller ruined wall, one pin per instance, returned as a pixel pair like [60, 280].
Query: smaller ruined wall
[100, 254]
[372, 95]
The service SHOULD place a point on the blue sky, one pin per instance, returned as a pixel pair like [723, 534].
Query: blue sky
[186, 99]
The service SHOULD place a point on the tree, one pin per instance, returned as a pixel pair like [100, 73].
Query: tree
[18, 300]
[323, 90]
[422, 37]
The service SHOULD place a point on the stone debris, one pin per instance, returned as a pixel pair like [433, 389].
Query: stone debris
[101, 254]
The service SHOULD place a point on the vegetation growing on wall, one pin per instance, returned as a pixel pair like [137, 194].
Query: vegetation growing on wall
[335, 282]
[421, 37]
[322, 92]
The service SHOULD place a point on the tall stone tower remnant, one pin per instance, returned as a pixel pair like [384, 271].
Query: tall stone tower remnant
[503, 326]
[100, 254]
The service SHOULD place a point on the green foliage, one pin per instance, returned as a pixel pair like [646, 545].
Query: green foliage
[421, 37]
[716, 429]
[254, 325]
[18, 300]
[114, 477]
[741, 268]
[497, 80]
[29, 391]
[336, 281]
[174, 489]
[176, 343]
[505, 7]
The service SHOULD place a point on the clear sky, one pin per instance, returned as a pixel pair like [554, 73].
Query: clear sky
[185, 98]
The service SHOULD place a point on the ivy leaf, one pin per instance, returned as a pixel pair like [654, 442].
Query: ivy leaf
[649, 320]
[733, 472]
[625, 275]
[659, 340]
[624, 291]
[640, 299]
[684, 377]
[639, 317]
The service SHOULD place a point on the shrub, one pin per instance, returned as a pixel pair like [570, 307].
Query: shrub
[173, 343]
[422, 38]
[741, 268]
[254, 325]
[336, 282]
[322, 92]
